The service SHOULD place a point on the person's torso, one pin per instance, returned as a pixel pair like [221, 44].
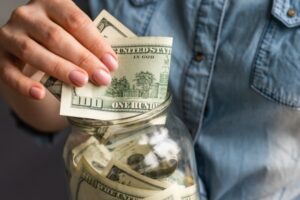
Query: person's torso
[235, 81]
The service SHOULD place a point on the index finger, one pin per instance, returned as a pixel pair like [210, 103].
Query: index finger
[81, 27]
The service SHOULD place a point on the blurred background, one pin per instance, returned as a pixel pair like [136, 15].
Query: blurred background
[29, 168]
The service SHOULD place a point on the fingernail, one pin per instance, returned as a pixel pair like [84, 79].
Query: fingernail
[102, 77]
[78, 78]
[110, 62]
[36, 93]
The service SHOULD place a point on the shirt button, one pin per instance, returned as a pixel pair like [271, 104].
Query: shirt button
[291, 12]
[199, 57]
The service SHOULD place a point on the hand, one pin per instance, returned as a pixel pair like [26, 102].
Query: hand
[55, 37]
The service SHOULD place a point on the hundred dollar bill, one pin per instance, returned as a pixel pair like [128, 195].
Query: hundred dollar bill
[121, 173]
[94, 152]
[88, 184]
[109, 27]
[53, 85]
[176, 192]
[138, 86]
[156, 161]
[172, 193]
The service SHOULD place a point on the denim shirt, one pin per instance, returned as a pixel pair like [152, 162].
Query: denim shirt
[235, 80]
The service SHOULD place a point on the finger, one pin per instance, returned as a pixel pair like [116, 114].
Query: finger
[60, 42]
[13, 77]
[37, 56]
[76, 22]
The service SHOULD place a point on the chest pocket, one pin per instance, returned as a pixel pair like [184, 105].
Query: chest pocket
[276, 73]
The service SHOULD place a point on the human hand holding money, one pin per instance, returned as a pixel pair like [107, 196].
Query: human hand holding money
[139, 85]
[50, 36]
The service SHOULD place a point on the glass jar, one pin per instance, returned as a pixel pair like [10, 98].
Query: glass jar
[149, 156]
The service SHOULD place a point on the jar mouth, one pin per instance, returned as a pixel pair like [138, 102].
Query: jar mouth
[84, 122]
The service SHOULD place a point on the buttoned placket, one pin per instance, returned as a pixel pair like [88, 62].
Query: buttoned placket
[200, 70]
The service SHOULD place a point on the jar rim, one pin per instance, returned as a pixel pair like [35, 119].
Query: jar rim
[84, 122]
